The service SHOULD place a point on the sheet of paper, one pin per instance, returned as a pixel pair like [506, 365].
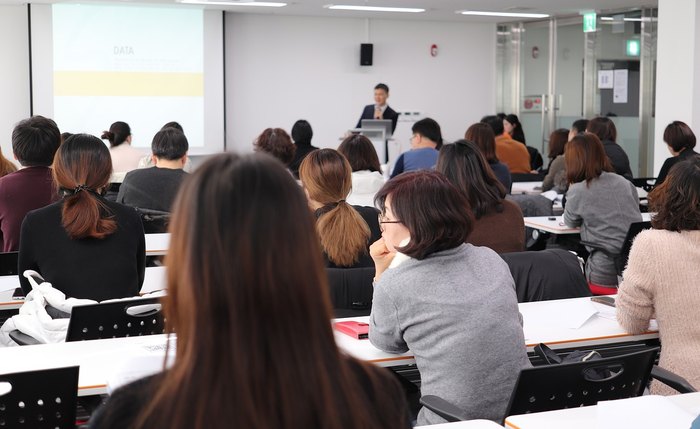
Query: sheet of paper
[605, 79]
[644, 412]
[620, 86]
[9, 282]
[572, 314]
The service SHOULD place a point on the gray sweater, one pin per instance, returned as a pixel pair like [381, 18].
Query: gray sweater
[458, 314]
[604, 210]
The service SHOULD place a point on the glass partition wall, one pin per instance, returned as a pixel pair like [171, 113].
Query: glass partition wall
[551, 73]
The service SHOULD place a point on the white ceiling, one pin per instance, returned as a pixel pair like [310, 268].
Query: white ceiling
[436, 10]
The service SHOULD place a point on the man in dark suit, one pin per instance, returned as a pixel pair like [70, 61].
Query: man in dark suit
[380, 110]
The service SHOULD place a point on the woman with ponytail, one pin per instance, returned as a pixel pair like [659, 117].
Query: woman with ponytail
[86, 246]
[345, 231]
[124, 156]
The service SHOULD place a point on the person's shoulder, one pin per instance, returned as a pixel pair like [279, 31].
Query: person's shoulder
[125, 404]
[49, 211]
[367, 212]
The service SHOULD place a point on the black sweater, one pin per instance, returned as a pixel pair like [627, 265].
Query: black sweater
[97, 269]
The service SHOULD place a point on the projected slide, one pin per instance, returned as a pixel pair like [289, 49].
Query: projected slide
[141, 65]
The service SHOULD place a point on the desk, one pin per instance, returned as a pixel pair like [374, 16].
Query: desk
[541, 324]
[555, 224]
[526, 188]
[153, 280]
[157, 244]
[98, 359]
[587, 417]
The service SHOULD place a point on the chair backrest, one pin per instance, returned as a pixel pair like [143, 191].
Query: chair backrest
[635, 229]
[154, 221]
[570, 385]
[351, 290]
[39, 399]
[546, 274]
[8, 263]
[128, 318]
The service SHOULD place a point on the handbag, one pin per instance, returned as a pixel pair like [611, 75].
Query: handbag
[552, 358]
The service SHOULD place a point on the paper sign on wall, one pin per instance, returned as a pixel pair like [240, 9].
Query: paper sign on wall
[620, 86]
[605, 79]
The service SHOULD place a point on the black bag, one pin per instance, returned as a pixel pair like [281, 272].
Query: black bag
[551, 358]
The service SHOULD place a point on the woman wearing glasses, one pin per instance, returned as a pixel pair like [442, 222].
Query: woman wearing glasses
[452, 304]
[345, 231]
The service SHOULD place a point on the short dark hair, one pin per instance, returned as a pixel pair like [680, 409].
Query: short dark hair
[302, 132]
[602, 127]
[466, 167]
[435, 212]
[482, 135]
[557, 140]
[170, 144]
[276, 142]
[495, 123]
[35, 141]
[360, 153]
[580, 125]
[382, 86]
[117, 134]
[585, 158]
[677, 200]
[678, 135]
[173, 124]
[430, 129]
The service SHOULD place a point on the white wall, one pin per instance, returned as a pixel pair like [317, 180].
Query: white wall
[14, 73]
[677, 71]
[283, 68]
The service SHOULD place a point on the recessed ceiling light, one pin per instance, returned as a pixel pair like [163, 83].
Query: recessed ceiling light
[233, 3]
[610, 18]
[373, 8]
[503, 14]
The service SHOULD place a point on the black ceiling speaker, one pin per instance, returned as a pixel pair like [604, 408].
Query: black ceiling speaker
[366, 50]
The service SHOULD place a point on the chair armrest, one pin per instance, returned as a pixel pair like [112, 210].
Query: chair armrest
[672, 380]
[23, 339]
[442, 408]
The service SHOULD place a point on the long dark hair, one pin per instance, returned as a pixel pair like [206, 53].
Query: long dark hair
[248, 299]
[465, 166]
[81, 170]
[117, 134]
[677, 200]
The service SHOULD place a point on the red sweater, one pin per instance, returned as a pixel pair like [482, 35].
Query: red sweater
[25, 190]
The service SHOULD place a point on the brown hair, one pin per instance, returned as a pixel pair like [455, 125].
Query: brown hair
[676, 201]
[81, 170]
[603, 128]
[360, 153]
[276, 142]
[248, 299]
[464, 165]
[585, 158]
[117, 134]
[482, 134]
[327, 177]
[6, 166]
[679, 136]
[557, 140]
[436, 214]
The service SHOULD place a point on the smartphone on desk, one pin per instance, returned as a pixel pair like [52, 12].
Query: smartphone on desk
[605, 300]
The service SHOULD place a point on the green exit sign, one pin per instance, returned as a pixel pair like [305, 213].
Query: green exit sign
[633, 48]
[589, 22]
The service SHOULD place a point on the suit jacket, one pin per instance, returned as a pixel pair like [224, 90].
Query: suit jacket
[389, 113]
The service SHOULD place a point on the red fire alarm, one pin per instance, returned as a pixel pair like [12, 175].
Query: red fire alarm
[433, 50]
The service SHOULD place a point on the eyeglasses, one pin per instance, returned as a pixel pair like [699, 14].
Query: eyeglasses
[382, 220]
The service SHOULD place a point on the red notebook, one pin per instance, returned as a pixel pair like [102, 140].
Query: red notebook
[355, 329]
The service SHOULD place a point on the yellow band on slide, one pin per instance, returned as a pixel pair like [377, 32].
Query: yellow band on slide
[128, 84]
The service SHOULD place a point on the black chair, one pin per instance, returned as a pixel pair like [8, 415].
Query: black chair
[646, 183]
[154, 221]
[113, 191]
[8, 263]
[554, 387]
[351, 291]
[127, 318]
[620, 258]
[40, 399]
[527, 177]
[546, 274]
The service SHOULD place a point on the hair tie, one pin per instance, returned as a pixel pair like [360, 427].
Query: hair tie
[80, 188]
[77, 189]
